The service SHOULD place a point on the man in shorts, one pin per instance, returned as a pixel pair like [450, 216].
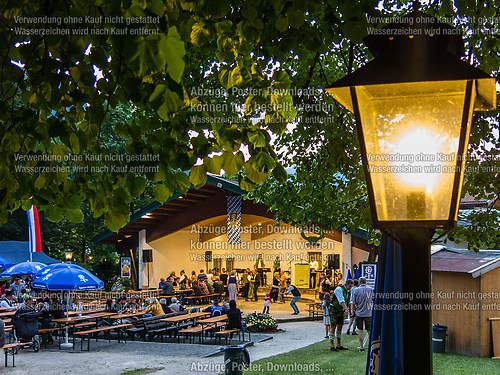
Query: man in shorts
[338, 311]
[361, 304]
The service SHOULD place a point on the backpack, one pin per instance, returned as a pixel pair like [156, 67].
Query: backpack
[216, 311]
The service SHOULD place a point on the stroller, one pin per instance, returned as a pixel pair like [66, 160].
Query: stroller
[26, 329]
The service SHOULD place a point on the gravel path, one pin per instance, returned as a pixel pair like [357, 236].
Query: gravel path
[114, 358]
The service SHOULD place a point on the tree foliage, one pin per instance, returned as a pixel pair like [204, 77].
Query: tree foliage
[208, 86]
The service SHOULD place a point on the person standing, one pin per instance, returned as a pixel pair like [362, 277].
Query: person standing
[313, 267]
[267, 304]
[292, 289]
[282, 288]
[275, 287]
[257, 283]
[338, 311]
[232, 286]
[277, 264]
[251, 285]
[327, 300]
[361, 304]
[352, 318]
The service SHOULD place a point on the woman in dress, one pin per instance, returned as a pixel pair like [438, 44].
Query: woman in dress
[232, 286]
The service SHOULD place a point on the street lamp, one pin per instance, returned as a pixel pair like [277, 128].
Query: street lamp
[68, 255]
[413, 105]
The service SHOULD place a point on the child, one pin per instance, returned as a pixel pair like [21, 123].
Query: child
[267, 303]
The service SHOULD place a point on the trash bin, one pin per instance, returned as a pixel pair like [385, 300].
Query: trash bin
[439, 338]
[236, 357]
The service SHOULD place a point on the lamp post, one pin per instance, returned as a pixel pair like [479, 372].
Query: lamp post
[413, 105]
[68, 255]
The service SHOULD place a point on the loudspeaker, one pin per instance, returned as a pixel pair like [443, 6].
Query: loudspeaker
[147, 255]
[208, 256]
[334, 261]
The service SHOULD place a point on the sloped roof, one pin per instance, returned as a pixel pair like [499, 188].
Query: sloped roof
[18, 252]
[464, 261]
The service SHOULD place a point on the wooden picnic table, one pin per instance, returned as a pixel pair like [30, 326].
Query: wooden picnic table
[8, 313]
[184, 317]
[85, 312]
[213, 321]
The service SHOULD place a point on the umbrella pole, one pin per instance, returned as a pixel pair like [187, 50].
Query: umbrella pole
[66, 344]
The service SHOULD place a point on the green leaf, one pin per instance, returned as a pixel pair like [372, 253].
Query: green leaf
[136, 184]
[282, 24]
[213, 164]
[280, 173]
[295, 18]
[171, 102]
[198, 176]
[253, 174]
[75, 143]
[257, 138]
[75, 216]
[172, 49]
[54, 213]
[232, 162]
[117, 216]
[199, 35]
[156, 7]
[161, 193]
[40, 181]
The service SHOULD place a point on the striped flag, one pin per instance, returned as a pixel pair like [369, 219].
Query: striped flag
[34, 229]
[234, 219]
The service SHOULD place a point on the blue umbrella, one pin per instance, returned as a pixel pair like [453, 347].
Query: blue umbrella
[55, 266]
[4, 263]
[22, 269]
[67, 277]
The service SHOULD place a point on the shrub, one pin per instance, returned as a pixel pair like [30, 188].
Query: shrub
[261, 323]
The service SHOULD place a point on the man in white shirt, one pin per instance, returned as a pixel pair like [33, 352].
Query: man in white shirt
[313, 265]
[7, 300]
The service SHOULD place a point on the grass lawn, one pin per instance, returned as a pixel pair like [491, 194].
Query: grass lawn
[351, 362]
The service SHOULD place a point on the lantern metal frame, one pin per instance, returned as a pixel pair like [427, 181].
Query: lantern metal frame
[431, 53]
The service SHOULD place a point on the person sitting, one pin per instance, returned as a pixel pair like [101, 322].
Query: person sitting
[204, 288]
[133, 305]
[27, 305]
[183, 280]
[202, 275]
[234, 318]
[168, 288]
[218, 287]
[76, 305]
[215, 309]
[162, 283]
[121, 305]
[225, 305]
[154, 308]
[175, 305]
[166, 309]
[7, 300]
[110, 307]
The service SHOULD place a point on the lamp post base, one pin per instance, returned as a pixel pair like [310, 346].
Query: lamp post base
[417, 318]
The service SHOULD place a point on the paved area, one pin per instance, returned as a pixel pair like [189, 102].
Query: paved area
[166, 359]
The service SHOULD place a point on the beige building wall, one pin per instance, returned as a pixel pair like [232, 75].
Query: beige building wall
[183, 250]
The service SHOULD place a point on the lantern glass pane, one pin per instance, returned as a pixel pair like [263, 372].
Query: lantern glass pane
[411, 133]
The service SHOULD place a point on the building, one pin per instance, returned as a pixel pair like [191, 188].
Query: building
[466, 294]
[190, 232]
